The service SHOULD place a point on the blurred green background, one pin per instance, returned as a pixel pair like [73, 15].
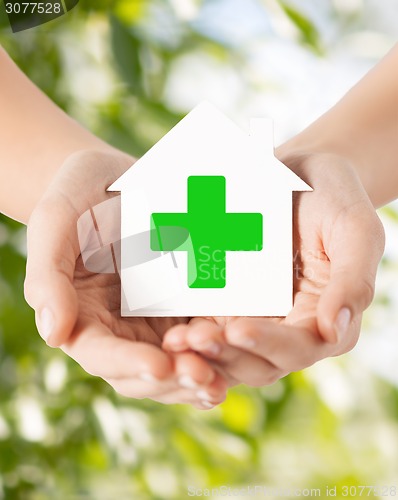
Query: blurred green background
[129, 70]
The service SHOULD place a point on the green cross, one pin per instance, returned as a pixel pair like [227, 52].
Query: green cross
[206, 232]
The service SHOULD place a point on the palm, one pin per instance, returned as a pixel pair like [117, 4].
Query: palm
[99, 299]
[119, 349]
[85, 306]
[331, 225]
[255, 351]
[311, 266]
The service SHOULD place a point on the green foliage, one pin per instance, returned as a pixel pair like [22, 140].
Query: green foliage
[126, 47]
[309, 34]
[67, 435]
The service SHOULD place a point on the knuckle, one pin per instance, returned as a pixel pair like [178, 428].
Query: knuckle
[269, 377]
[380, 235]
[124, 389]
[239, 334]
[39, 213]
[348, 344]
[374, 228]
[347, 347]
[367, 290]
[29, 291]
[125, 392]
[306, 359]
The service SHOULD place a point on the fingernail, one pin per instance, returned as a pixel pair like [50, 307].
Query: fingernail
[206, 404]
[246, 342]
[147, 377]
[342, 323]
[173, 347]
[45, 323]
[187, 381]
[211, 348]
[204, 396]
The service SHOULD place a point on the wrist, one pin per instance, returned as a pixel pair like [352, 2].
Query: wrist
[306, 159]
[109, 162]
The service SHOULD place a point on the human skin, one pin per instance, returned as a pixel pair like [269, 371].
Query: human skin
[349, 156]
[45, 160]
[338, 242]
[80, 312]
[363, 129]
[36, 138]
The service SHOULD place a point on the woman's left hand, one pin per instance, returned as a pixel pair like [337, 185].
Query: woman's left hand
[338, 243]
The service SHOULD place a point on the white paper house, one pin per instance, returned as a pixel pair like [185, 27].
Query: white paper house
[206, 144]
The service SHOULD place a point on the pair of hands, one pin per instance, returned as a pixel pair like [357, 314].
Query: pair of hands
[338, 242]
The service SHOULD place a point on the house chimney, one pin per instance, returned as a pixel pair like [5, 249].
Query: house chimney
[262, 134]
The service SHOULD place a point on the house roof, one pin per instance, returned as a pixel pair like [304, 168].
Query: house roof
[208, 142]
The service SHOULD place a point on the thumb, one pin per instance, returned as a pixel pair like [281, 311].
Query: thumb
[355, 248]
[50, 268]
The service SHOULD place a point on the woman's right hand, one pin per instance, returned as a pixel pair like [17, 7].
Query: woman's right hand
[80, 311]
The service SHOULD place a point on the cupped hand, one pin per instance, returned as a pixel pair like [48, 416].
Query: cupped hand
[80, 311]
[338, 243]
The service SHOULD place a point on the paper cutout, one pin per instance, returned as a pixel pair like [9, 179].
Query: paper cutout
[221, 203]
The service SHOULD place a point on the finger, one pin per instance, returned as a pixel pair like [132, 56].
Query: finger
[104, 355]
[288, 348]
[237, 365]
[192, 371]
[175, 339]
[49, 275]
[207, 338]
[355, 249]
[171, 393]
[214, 393]
[204, 398]
[136, 388]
